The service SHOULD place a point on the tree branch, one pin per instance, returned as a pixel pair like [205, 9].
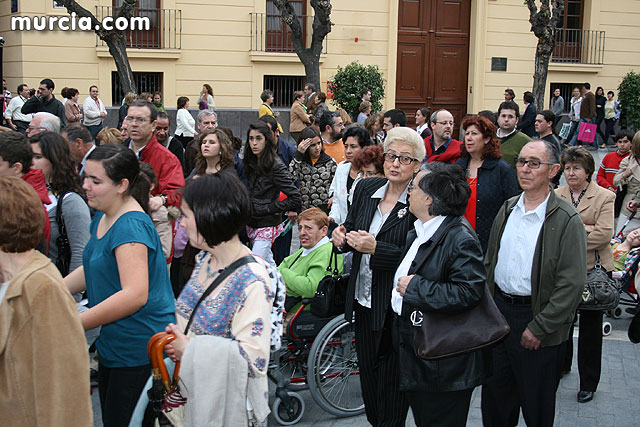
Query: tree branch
[321, 24]
[289, 17]
[126, 10]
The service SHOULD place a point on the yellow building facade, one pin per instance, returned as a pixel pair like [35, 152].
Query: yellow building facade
[226, 44]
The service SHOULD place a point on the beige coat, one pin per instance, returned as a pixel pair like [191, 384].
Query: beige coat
[299, 118]
[44, 363]
[596, 208]
[632, 182]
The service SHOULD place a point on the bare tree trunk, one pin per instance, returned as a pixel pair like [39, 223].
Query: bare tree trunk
[543, 25]
[115, 39]
[310, 57]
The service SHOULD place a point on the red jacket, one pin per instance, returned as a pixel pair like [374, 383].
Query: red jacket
[608, 169]
[35, 178]
[450, 155]
[167, 168]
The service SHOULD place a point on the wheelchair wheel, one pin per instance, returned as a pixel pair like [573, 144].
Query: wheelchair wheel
[334, 376]
[293, 366]
[289, 412]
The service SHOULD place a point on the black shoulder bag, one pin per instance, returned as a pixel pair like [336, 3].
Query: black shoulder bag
[331, 292]
[63, 261]
[600, 291]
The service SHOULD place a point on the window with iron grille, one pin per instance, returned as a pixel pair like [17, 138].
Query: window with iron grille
[145, 82]
[283, 88]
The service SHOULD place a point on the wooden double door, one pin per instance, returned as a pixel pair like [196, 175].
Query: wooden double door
[433, 56]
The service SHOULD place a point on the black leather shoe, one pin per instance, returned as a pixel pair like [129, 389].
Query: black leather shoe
[584, 396]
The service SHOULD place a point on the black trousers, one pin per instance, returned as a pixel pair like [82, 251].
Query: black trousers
[384, 404]
[120, 389]
[445, 409]
[609, 124]
[521, 378]
[589, 349]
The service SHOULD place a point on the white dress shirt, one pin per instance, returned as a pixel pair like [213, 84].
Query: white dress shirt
[363, 281]
[424, 232]
[13, 111]
[517, 248]
[421, 129]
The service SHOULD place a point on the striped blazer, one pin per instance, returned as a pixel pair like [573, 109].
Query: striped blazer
[389, 247]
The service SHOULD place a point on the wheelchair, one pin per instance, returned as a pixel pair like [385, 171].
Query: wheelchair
[318, 355]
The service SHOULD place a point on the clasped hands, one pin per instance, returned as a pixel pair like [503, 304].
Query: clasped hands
[361, 240]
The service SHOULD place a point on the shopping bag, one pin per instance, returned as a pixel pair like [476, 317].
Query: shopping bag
[564, 132]
[587, 132]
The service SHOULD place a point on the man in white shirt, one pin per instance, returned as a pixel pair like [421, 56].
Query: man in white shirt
[14, 117]
[94, 112]
[536, 266]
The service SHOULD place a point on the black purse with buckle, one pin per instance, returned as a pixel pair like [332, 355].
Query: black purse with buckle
[600, 291]
[330, 295]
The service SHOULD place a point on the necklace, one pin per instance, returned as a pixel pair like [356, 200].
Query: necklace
[577, 202]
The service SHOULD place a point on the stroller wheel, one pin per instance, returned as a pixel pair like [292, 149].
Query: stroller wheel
[606, 329]
[289, 411]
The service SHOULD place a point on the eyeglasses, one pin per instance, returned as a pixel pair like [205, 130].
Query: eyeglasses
[533, 164]
[450, 123]
[137, 120]
[404, 160]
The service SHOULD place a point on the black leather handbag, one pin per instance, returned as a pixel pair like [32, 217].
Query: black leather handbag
[63, 261]
[331, 292]
[600, 291]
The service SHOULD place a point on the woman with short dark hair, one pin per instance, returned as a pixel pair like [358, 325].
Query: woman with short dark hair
[43, 363]
[313, 169]
[71, 109]
[370, 162]
[267, 177]
[450, 280]
[321, 106]
[125, 274]
[527, 121]
[595, 206]
[185, 123]
[491, 179]
[51, 155]
[233, 321]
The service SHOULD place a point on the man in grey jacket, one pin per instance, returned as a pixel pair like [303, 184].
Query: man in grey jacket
[537, 283]
[557, 103]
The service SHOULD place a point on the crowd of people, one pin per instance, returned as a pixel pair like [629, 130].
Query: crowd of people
[191, 233]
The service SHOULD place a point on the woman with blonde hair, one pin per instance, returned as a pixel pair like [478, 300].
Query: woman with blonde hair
[629, 175]
[109, 136]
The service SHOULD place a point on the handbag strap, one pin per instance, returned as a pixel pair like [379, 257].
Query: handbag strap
[223, 275]
[59, 218]
[333, 259]
[597, 265]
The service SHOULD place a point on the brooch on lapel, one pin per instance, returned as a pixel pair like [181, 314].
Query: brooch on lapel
[402, 212]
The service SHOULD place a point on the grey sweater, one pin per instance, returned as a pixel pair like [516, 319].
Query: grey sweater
[77, 219]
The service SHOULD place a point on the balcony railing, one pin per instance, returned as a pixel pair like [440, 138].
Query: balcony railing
[270, 34]
[579, 46]
[164, 28]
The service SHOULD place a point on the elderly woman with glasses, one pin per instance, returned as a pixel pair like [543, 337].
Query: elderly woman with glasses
[375, 230]
[595, 206]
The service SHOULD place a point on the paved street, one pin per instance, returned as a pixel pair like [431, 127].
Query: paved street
[615, 403]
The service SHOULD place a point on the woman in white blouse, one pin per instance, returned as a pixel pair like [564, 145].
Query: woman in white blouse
[185, 123]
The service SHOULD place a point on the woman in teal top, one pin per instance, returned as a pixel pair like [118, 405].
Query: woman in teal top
[125, 274]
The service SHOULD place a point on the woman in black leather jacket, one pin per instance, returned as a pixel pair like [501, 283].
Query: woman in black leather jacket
[450, 280]
[271, 187]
